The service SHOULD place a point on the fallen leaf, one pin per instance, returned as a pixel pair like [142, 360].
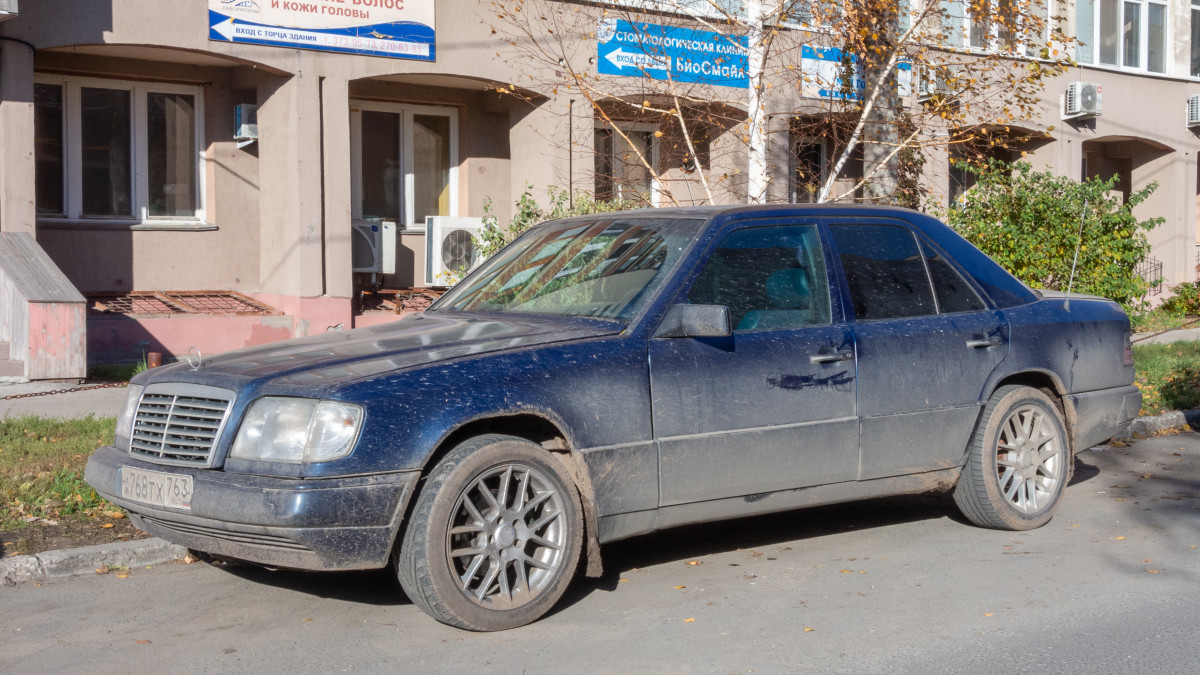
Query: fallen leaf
[1075, 525]
[846, 571]
[988, 613]
[755, 554]
[309, 619]
[106, 526]
[1146, 475]
[1145, 560]
[679, 587]
[122, 576]
[622, 581]
[689, 621]
[189, 559]
[1118, 538]
[807, 629]
[142, 642]
[1191, 547]
[1151, 571]
[693, 562]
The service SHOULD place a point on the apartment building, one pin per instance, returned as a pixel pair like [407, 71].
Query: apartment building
[200, 170]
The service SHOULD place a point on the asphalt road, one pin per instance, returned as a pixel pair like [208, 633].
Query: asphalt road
[898, 585]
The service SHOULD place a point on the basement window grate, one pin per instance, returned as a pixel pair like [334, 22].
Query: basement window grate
[223, 303]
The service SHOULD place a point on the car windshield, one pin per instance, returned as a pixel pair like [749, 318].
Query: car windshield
[605, 268]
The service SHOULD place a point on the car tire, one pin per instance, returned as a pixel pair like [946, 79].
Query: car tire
[1018, 463]
[494, 537]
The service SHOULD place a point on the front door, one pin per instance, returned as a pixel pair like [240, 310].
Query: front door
[772, 406]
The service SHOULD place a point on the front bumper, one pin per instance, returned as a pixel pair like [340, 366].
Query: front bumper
[1100, 415]
[301, 523]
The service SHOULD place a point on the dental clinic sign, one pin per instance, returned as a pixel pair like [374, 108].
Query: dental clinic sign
[396, 28]
[669, 52]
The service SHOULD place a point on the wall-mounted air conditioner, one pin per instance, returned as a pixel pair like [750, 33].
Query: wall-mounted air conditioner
[1193, 111]
[373, 246]
[245, 124]
[450, 246]
[1082, 100]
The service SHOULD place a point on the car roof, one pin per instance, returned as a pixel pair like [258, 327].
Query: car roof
[708, 212]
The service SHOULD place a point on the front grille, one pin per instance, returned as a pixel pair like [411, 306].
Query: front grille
[179, 424]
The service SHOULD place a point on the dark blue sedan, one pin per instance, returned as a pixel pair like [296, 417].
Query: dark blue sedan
[608, 376]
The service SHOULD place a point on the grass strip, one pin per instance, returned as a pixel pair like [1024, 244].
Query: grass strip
[1168, 375]
[41, 469]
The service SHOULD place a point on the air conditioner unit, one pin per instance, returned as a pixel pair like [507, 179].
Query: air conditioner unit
[245, 124]
[373, 246]
[450, 246]
[931, 84]
[1193, 111]
[1082, 100]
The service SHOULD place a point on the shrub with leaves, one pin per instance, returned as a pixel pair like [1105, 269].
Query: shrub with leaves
[528, 213]
[1029, 222]
[1186, 300]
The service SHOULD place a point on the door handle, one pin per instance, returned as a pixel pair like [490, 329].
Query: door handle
[833, 357]
[982, 343]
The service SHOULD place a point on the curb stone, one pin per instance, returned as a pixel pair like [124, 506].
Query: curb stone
[86, 560]
[1145, 426]
[142, 552]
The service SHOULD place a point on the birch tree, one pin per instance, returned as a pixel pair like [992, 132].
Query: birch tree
[874, 85]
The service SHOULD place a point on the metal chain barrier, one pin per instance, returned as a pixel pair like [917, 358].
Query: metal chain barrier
[106, 385]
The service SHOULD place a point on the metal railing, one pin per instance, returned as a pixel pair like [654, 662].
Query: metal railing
[1151, 271]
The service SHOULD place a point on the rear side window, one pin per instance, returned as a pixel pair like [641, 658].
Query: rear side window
[885, 271]
[954, 294]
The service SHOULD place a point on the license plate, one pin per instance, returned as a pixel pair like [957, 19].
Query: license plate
[156, 488]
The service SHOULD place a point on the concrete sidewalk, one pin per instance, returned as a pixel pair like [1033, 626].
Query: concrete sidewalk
[60, 400]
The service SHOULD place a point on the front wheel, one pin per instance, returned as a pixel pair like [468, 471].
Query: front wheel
[495, 536]
[1019, 462]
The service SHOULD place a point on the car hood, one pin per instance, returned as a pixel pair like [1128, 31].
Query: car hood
[339, 357]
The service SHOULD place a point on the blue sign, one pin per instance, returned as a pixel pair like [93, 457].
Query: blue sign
[669, 52]
[824, 70]
[395, 28]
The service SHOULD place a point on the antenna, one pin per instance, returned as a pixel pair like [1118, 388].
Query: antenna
[1078, 245]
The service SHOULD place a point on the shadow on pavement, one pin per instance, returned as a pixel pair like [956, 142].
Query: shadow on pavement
[369, 587]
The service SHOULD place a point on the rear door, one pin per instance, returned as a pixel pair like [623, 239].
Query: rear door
[772, 406]
[927, 343]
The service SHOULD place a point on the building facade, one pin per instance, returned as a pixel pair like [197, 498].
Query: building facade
[128, 149]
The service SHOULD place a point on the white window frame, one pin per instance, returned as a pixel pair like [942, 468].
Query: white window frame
[139, 152]
[408, 177]
[1143, 37]
[655, 185]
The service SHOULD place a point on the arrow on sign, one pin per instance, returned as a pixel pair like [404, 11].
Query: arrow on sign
[225, 28]
[623, 59]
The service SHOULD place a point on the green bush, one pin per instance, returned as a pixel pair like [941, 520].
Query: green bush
[528, 213]
[1029, 222]
[1186, 300]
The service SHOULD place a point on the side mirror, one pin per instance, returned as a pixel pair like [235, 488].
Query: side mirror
[695, 321]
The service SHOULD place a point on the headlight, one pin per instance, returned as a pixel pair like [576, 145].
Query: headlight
[297, 430]
[133, 394]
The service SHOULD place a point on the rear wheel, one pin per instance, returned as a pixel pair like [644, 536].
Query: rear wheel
[1019, 462]
[495, 536]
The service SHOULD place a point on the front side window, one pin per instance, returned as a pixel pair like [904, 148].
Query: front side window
[885, 271]
[606, 268]
[116, 150]
[770, 278]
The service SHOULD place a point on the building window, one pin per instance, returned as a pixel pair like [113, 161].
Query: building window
[113, 150]
[1195, 38]
[1124, 33]
[402, 161]
[623, 161]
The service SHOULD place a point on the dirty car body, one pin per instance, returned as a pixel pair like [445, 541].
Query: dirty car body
[609, 376]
